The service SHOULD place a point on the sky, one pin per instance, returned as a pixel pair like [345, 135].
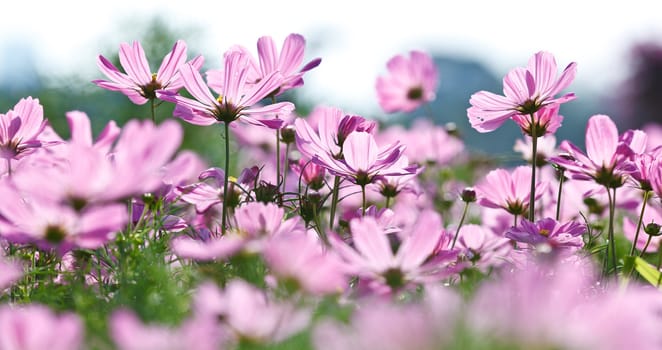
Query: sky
[354, 38]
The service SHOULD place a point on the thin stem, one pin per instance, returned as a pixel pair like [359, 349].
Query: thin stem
[648, 242]
[334, 201]
[659, 263]
[515, 220]
[558, 198]
[153, 108]
[278, 162]
[641, 219]
[9, 167]
[534, 153]
[363, 200]
[457, 231]
[287, 165]
[612, 245]
[388, 202]
[224, 219]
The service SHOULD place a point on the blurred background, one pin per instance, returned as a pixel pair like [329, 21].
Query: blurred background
[49, 50]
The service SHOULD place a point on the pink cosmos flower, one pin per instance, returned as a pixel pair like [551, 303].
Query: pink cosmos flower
[508, 190]
[415, 261]
[549, 235]
[139, 84]
[129, 333]
[607, 156]
[526, 91]
[312, 269]
[250, 313]
[35, 327]
[310, 173]
[10, 272]
[412, 81]
[21, 128]
[482, 247]
[287, 63]
[235, 101]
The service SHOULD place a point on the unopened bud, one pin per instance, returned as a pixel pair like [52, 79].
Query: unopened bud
[468, 195]
[652, 229]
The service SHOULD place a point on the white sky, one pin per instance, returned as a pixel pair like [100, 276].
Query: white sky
[359, 36]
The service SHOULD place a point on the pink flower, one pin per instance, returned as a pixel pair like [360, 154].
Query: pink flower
[508, 190]
[411, 82]
[607, 156]
[129, 333]
[415, 261]
[21, 128]
[546, 148]
[235, 100]
[10, 272]
[546, 121]
[312, 269]
[526, 91]
[549, 235]
[287, 63]
[482, 247]
[249, 312]
[139, 84]
[35, 327]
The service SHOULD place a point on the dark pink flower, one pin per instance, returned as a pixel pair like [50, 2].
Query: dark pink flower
[526, 91]
[139, 84]
[411, 82]
[549, 235]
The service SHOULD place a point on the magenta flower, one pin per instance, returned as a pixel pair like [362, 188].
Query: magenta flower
[411, 82]
[287, 63]
[310, 173]
[508, 190]
[235, 101]
[607, 156]
[549, 235]
[21, 128]
[526, 91]
[139, 84]
[35, 327]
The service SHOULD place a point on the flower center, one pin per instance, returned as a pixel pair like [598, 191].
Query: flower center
[415, 93]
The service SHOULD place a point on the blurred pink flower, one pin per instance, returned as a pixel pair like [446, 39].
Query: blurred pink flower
[10, 272]
[235, 101]
[139, 84]
[35, 327]
[129, 333]
[21, 128]
[287, 63]
[508, 190]
[549, 236]
[526, 91]
[411, 82]
[483, 247]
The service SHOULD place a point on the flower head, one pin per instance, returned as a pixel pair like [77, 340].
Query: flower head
[412, 81]
[548, 234]
[526, 91]
[139, 84]
[508, 190]
[20, 129]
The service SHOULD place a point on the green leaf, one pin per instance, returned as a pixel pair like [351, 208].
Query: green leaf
[647, 271]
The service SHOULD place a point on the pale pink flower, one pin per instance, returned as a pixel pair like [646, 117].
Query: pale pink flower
[235, 101]
[139, 84]
[312, 269]
[10, 272]
[546, 148]
[545, 121]
[287, 63]
[482, 247]
[250, 313]
[129, 333]
[411, 82]
[526, 91]
[35, 327]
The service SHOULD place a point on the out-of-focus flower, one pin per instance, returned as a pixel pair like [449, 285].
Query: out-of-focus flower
[482, 247]
[548, 235]
[526, 91]
[411, 82]
[139, 84]
[10, 272]
[35, 327]
[508, 190]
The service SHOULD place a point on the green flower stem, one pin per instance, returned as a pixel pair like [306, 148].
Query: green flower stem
[459, 226]
[558, 198]
[334, 201]
[224, 219]
[534, 155]
[641, 219]
[286, 166]
[363, 201]
[648, 242]
[153, 108]
[388, 202]
[611, 248]
[280, 198]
